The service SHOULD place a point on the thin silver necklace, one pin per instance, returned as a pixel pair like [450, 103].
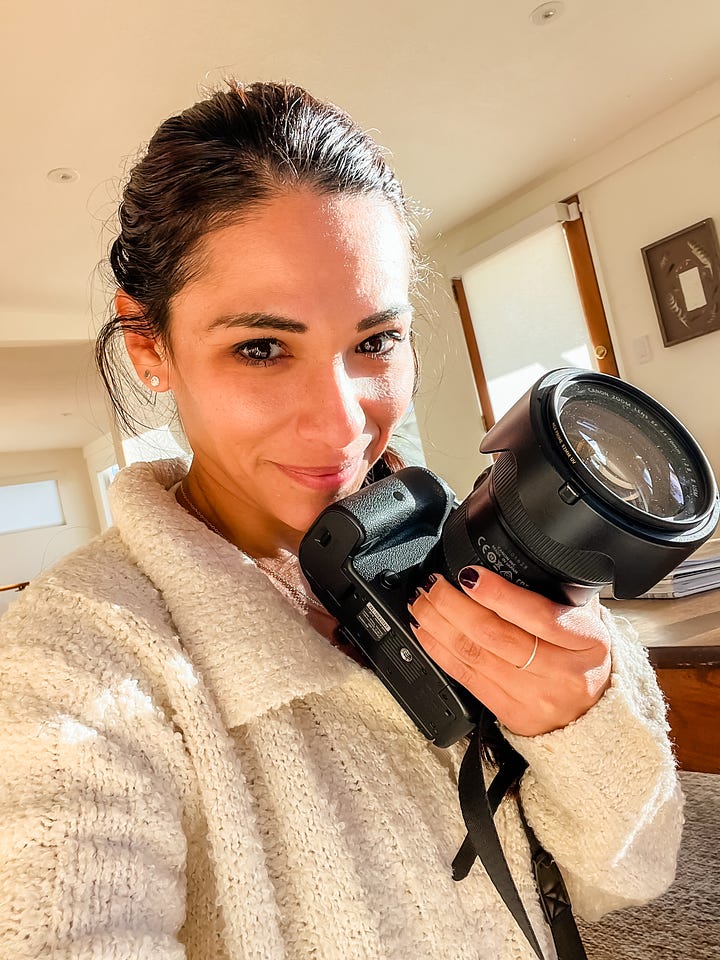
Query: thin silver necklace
[301, 598]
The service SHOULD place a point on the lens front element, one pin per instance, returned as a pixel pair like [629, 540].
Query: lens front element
[628, 449]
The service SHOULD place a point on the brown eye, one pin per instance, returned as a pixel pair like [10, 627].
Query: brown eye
[380, 343]
[263, 351]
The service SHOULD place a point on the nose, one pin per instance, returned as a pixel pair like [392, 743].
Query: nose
[331, 410]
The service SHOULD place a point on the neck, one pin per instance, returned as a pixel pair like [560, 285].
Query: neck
[235, 520]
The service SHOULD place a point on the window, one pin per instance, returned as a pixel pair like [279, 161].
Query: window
[527, 316]
[105, 478]
[30, 506]
[529, 302]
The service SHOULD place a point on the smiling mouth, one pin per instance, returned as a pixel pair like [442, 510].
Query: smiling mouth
[325, 477]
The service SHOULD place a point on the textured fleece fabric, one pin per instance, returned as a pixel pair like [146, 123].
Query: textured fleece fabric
[190, 770]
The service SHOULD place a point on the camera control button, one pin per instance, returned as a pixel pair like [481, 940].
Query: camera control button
[568, 494]
[389, 579]
[323, 537]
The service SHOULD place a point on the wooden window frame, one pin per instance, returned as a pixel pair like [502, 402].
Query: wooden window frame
[583, 268]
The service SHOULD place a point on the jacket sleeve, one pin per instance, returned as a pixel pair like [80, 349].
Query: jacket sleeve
[602, 794]
[92, 850]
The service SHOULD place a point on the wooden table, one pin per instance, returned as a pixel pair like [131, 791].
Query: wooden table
[683, 639]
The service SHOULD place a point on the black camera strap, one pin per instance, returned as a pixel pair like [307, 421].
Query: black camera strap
[478, 806]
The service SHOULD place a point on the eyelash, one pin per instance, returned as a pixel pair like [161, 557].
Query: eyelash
[265, 342]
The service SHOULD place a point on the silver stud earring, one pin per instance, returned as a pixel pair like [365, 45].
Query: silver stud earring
[154, 381]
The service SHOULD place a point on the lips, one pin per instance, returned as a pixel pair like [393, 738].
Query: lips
[331, 476]
[323, 471]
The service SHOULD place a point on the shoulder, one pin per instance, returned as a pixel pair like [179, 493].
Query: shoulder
[109, 570]
[78, 612]
[102, 571]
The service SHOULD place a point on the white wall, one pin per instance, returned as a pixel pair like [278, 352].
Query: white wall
[662, 176]
[24, 555]
[671, 188]
[446, 405]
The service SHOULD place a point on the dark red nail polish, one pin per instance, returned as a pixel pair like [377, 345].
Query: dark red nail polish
[413, 621]
[468, 577]
[429, 582]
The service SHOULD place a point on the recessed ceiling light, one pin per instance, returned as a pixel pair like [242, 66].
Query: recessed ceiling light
[63, 175]
[547, 13]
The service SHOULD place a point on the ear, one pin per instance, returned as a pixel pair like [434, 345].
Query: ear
[146, 352]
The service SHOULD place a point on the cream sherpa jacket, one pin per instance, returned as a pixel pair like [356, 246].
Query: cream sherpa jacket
[190, 770]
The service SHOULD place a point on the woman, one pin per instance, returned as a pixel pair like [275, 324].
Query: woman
[194, 766]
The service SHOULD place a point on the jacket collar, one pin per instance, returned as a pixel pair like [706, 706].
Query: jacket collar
[254, 650]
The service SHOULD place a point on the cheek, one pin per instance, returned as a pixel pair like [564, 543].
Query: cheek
[230, 407]
[392, 396]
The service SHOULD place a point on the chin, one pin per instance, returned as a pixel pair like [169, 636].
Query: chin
[304, 511]
[304, 517]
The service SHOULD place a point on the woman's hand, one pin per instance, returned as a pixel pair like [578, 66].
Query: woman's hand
[536, 664]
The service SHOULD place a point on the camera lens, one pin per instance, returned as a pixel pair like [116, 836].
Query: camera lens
[631, 452]
[594, 482]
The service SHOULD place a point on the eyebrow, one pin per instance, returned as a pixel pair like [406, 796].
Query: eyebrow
[272, 321]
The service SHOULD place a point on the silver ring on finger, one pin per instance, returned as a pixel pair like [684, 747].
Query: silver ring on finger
[532, 655]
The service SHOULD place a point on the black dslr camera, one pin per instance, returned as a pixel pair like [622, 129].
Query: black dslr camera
[594, 484]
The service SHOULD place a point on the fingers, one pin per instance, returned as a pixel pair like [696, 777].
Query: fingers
[536, 664]
[525, 703]
[471, 630]
[573, 628]
[488, 678]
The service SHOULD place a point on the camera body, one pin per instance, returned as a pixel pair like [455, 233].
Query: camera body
[363, 557]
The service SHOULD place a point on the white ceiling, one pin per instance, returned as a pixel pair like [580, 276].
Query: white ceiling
[473, 101]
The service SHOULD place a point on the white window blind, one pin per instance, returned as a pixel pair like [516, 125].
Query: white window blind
[30, 506]
[526, 315]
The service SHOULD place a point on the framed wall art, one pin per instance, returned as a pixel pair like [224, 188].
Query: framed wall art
[684, 274]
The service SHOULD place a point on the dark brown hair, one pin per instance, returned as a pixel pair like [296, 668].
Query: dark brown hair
[208, 167]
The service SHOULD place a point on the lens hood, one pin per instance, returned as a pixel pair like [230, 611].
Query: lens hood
[590, 472]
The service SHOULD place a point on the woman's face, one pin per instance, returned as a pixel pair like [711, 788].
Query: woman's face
[291, 361]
